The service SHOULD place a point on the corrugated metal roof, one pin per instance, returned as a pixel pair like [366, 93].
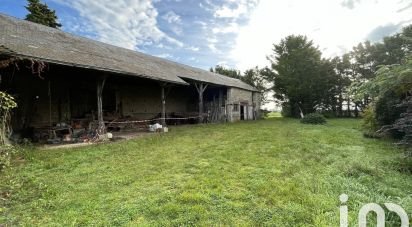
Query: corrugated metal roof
[27, 39]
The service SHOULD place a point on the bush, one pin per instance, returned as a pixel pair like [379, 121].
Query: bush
[369, 123]
[286, 110]
[264, 113]
[6, 151]
[329, 114]
[387, 109]
[313, 118]
[7, 103]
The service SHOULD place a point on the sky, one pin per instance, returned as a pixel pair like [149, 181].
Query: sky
[234, 33]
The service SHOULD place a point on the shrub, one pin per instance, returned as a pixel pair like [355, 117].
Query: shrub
[286, 110]
[264, 113]
[329, 114]
[313, 118]
[7, 103]
[369, 123]
[403, 125]
[6, 151]
[387, 109]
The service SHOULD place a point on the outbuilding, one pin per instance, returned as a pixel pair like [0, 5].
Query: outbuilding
[60, 79]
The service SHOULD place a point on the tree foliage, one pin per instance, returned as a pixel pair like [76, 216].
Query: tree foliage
[391, 91]
[41, 14]
[233, 73]
[314, 119]
[7, 103]
[303, 81]
[254, 77]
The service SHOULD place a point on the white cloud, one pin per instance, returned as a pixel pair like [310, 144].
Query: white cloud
[193, 48]
[335, 28]
[226, 11]
[125, 23]
[193, 59]
[229, 28]
[211, 43]
[164, 55]
[171, 17]
[223, 64]
[234, 8]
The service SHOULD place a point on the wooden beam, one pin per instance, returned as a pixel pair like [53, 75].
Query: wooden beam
[101, 128]
[201, 87]
[163, 99]
[165, 90]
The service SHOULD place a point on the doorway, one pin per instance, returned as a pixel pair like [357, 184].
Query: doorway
[242, 112]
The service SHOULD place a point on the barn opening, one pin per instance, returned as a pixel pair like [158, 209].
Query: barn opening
[67, 86]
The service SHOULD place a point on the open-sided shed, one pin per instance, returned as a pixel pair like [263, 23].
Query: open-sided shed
[62, 79]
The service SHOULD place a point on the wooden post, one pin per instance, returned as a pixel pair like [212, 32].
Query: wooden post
[253, 107]
[163, 98]
[200, 89]
[165, 90]
[220, 104]
[100, 85]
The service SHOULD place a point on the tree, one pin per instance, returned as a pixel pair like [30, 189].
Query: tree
[256, 78]
[345, 73]
[367, 58]
[41, 14]
[253, 77]
[302, 80]
[391, 90]
[226, 72]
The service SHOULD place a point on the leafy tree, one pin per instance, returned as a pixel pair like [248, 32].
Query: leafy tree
[41, 14]
[253, 77]
[345, 73]
[392, 50]
[303, 81]
[368, 58]
[391, 90]
[226, 72]
[256, 78]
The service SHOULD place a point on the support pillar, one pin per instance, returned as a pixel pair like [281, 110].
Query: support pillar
[163, 98]
[201, 87]
[165, 90]
[220, 103]
[101, 128]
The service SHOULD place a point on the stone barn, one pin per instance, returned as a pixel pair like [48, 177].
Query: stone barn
[62, 80]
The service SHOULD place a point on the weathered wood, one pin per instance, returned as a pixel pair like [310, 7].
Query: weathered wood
[100, 86]
[165, 90]
[163, 99]
[200, 90]
[220, 104]
[50, 103]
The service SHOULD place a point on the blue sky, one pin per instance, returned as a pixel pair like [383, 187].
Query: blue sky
[234, 33]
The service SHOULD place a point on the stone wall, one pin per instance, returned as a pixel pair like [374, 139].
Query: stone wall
[242, 101]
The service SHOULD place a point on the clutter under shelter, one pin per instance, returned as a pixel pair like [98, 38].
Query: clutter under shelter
[74, 89]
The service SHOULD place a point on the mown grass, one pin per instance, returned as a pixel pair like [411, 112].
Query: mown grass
[270, 172]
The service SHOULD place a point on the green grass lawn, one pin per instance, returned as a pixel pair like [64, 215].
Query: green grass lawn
[270, 172]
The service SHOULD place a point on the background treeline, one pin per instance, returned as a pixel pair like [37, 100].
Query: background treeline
[373, 80]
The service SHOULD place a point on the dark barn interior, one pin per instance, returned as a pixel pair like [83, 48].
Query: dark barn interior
[65, 98]
[73, 88]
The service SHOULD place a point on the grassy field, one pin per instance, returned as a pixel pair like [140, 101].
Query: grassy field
[270, 172]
